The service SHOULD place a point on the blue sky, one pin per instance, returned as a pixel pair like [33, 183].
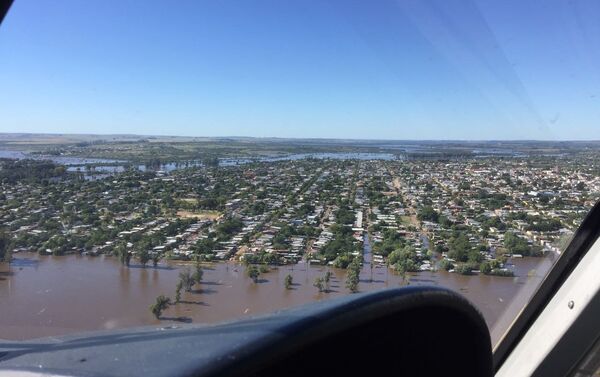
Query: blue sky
[411, 69]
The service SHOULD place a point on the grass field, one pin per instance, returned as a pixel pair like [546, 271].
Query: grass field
[409, 220]
[201, 215]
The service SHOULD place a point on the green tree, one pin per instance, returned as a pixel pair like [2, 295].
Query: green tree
[126, 258]
[144, 256]
[319, 283]
[327, 280]
[7, 256]
[121, 252]
[263, 269]
[253, 273]
[485, 268]
[404, 260]
[288, 281]
[445, 264]
[352, 278]
[162, 303]
[427, 213]
[464, 269]
[474, 256]
[205, 246]
[178, 291]
[459, 248]
[198, 273]
[227, 228]
[156, 257]
[5, 242]
[352, 281]
[516, 245]
[186, 279]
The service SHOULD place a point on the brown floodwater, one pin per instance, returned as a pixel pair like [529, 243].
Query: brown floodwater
[48, 295]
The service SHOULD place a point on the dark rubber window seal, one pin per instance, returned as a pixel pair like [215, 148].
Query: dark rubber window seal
[4, 6]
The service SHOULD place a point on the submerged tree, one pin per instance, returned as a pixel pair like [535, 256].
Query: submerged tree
[263, 269]
[319, 283]
[186, 279]
[198, 273]
[127, 257]
[7, 256]
[178, 291]
[352, 278]
[352, 282]
[162, 303]
[288, 281]
[5, 248]
[123, 254]
[156, 257]
[253, 273]
[327, 280]
[144, 257]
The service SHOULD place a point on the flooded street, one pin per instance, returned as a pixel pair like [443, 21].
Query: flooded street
[48, 295]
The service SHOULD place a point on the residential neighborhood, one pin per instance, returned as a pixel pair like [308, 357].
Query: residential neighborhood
[461, 215]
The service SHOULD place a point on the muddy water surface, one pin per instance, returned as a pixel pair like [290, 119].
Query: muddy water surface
[47, 295]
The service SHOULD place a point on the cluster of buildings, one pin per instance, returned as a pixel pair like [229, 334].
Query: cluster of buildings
[290, 209]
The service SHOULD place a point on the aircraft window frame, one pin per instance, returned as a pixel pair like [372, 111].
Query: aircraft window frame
[585, 236]
[590, 362]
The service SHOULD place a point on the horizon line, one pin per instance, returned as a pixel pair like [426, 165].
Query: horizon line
[292, 138]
